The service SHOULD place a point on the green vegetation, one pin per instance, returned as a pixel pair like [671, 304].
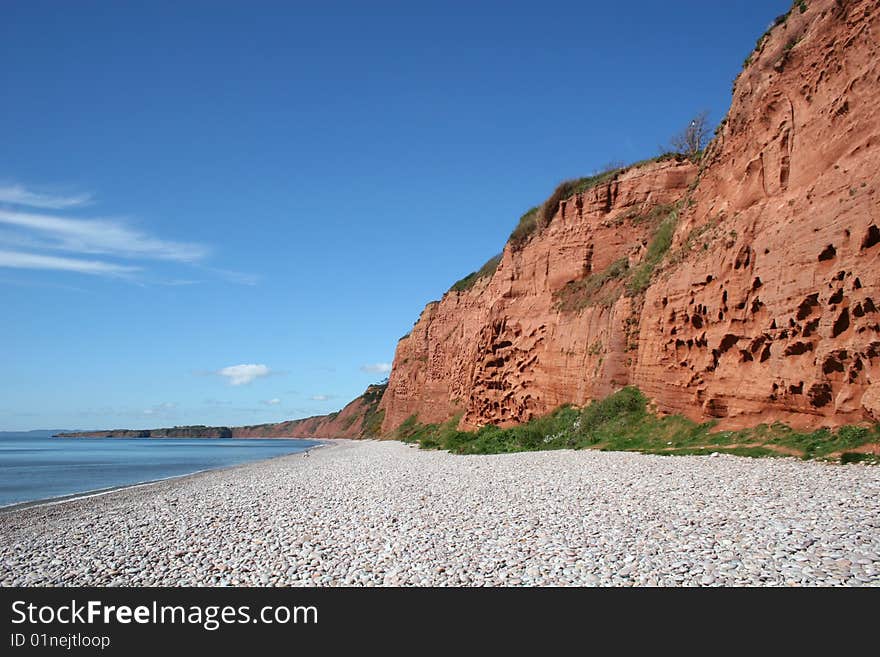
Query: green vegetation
[594, 289]
[568, 188]
[701, 236]
[623, 422]
[528, 224]
[786, 51]
[372, 423]
[640, 277]
[540, 216]
[655, 216]
[485, 271]
[605, 287]
[858, 457]
[801, 5]
[580, 293]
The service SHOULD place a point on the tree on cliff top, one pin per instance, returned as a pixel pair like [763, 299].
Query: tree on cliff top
[693, 139]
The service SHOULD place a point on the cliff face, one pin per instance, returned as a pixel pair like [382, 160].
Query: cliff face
[361, 418]
[501, 352]
[777, 318]
[766, 305]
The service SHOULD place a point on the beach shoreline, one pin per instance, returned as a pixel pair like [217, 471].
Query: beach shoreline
[385, 513]
[97, 492]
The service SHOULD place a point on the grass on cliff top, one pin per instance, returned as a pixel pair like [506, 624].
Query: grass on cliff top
[527, 225]
[622, 422]
[485, 271]
[540, 216]
[800, 5]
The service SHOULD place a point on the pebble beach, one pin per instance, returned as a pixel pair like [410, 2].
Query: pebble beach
[356, 513]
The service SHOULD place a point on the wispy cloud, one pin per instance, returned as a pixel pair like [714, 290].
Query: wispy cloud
[321, 397]
[238, 277]
[35, 224]
[272, 402]
[20, 260]
[20, 195]
[243, 374]
[377, 368]
[100, 236]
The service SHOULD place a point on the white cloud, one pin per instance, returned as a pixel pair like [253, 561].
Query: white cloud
[20, 260]
[377, 368]
[321, 397]
[243, 374]
[20, 195]
[272, 402]
[101, 236]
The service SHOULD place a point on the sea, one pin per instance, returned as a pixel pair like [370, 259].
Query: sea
[35, 466]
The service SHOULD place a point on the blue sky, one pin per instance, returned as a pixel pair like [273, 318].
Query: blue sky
[228, 213]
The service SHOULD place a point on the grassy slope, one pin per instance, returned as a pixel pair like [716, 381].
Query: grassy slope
[622, 422]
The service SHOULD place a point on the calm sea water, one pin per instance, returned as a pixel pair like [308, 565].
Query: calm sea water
[36, 467]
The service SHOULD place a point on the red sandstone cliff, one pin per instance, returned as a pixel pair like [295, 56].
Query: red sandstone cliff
[764, 308]
[501, 352]
[777, 318]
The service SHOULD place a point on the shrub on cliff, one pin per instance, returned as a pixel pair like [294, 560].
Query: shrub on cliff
[371, 424]
[485, 271]
[594, 289]
[539, 217]
[691, 141]
[527, 225]
[640, 278]
[800, 5]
